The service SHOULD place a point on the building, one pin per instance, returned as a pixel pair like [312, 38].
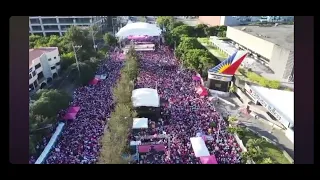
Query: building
[272, 44]
[227, 20]
[58, 25]
[44, 65]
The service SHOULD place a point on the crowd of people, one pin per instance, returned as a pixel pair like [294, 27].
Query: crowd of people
[185, 114]
[79, 142]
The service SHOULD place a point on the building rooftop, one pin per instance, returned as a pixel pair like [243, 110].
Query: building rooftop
[37, 52]
[282, 35]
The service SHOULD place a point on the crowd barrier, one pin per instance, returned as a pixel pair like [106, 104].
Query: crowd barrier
[50, 144]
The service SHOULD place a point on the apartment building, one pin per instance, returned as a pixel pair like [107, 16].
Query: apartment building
[58, 25]
[44, 66]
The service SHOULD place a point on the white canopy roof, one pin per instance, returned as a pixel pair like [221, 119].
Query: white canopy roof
[137, 29]
[199, 147]
[135, 143]
[145, 97]
[140, 123]
[282, 101]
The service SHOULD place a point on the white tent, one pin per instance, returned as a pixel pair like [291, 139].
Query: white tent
[281, 101]
[135, 143]
[140, 123]
[138, 29]
[145, 97]
[199, 147]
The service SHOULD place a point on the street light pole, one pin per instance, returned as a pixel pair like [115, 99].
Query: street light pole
[75, 50]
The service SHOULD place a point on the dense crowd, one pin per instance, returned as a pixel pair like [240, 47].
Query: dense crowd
[185, 114]
[79, 142]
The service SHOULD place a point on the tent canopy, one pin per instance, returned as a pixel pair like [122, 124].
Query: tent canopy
[140, 123]
[73, 109]
[208, 159]
[282, 101]
[199, 147]
[202, 91]
[138, 29]
[145, 97]
[70, 116]
[94, 81]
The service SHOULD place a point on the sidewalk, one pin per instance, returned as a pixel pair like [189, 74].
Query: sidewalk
[271, 133]
[263, 128]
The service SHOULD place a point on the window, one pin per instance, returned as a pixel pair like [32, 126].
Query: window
[58, 64]
[40, 76]
[53, 67]
[54, 57]
[31, 87]
[30, 77]
[33, 73]
[49, 21]
[35, 21]
[37, 66]
[35, 83]
[49, 59]
[36, 28]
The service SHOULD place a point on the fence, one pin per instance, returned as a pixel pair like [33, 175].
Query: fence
[50, 144]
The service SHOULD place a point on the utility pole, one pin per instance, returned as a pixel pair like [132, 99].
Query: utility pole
[75, 50]
[93, 33]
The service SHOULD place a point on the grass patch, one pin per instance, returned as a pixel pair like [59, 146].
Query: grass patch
[269, 150]
[256, 78]
[212, 49]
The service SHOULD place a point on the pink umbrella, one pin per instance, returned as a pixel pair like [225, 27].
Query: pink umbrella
[70, 116]
[196, 78]
[74, 109]
[94, 81]
[208, 159]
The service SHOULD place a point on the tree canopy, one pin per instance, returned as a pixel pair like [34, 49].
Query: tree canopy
[165, 22]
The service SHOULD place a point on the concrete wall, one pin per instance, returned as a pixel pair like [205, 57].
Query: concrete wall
[290, 134]
[210, 20]
[258, 45]
[279, 59]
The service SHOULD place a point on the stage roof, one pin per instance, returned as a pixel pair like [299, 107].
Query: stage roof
[145, 97]
[281, 100]
[137, 29]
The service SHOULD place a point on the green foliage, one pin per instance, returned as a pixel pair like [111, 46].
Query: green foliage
[265, 161]
[232, 89]
[115, 142]
[67, 60]
[176, 24]
[200, 30]
[87, 72]
[256, 78]
[110, 40]
[165, 22]
[222, 34]
[50, 103]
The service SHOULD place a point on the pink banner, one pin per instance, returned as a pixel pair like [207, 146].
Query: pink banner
[74, 109]
[208, 159]
[70, 116]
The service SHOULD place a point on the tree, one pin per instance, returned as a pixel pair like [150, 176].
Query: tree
[200, 30]
[33, 39]
[67, 60]
[197, 59]
[110, 40]
[176, 24]
[182, 31]
[222, 34]
[211, 31]
[186, 44]
[50, 103]
[87, 73]
[165, 22]
[232, 119]
[79, 36]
